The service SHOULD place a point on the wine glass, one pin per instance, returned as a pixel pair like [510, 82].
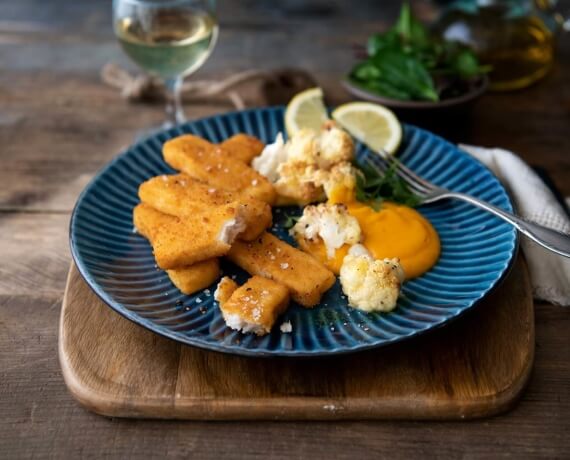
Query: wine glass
[169, 39]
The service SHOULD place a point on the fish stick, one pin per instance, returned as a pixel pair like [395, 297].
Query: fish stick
[183, 196]
[225, 289]
[305, 277]
[253, 307]
[203, 161]
[195, 277]
[148, 221]
[242, 147]
[188, 279]
[180, 242]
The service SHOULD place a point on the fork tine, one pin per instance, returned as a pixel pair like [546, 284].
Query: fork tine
[410, 177]
[411, 174]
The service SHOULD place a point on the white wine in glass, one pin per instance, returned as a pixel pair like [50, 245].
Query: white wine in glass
[168, 38]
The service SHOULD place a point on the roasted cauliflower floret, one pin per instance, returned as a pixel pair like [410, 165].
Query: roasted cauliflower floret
[332, 223]
[325, 148]
[371, 285]
[334, 146]
[296, 184]
[339, 183]
[271, 157]
[303, 147]
[300, 168]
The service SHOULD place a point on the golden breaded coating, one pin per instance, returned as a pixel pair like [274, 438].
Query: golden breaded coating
[188, 279]
[180, 242]
[203, 161]
[147, 220]
[242, 147]
[225, 289]
[195, 277]
[257, 217]
[255, 306]
[183, 196]
[305, 277]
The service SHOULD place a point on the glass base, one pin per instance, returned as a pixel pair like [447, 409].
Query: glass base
[144, 133]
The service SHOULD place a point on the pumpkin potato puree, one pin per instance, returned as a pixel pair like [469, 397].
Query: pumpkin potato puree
[393, 231]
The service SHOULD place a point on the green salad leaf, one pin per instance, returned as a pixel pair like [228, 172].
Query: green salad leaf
[465, 64]
[408, 63]
[411, 31]
[378, 42]
[406, 73]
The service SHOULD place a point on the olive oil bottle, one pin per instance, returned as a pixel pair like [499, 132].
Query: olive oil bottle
[514, 37]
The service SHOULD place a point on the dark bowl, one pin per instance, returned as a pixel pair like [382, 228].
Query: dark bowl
[478, 88]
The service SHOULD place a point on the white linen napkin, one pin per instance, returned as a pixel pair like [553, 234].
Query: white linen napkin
[549, 272]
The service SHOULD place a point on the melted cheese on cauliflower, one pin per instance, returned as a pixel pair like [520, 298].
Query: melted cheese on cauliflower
[371, 285]
[332, 223]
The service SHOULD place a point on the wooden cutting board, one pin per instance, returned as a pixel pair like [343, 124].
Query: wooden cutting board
[475, 367]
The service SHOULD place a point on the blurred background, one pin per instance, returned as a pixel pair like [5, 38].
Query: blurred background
[317, 35]
[52, 55]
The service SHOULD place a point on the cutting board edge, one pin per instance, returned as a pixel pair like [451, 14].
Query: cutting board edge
[290, 408]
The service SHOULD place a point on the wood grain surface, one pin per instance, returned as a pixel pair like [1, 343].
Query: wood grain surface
[59, 124]
[119, 369]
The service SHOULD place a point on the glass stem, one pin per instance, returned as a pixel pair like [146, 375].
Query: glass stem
[174, 110]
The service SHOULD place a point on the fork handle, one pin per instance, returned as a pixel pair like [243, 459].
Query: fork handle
[550, 239]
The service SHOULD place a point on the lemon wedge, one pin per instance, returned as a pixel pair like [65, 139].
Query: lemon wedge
[306, 110]
[372, 124]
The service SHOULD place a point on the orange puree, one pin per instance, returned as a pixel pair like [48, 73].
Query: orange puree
[393, 231]
[398, 231]
[317, 249]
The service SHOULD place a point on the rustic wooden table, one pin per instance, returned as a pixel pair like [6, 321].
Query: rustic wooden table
[59, 124]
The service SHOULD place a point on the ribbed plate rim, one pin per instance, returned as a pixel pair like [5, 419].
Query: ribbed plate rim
[235, 350]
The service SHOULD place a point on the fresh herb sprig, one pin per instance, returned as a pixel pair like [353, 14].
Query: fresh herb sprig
[373, 187]
[407, 62]
[290, 221]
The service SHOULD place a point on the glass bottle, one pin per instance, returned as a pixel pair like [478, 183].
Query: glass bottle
[515, 37]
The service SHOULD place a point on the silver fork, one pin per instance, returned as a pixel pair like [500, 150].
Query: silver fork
[428, 193]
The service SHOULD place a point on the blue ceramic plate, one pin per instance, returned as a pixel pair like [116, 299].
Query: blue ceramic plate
[477, 250]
